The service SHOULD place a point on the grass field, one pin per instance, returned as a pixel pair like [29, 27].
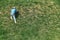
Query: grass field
[37, 20]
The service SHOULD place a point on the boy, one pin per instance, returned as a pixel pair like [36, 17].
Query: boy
[13, 11]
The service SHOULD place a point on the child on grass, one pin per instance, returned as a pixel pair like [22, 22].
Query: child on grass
[13, 11]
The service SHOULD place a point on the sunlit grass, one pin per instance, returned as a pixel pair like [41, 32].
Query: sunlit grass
[37, 20]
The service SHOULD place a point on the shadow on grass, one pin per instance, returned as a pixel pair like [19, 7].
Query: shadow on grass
[17, 14]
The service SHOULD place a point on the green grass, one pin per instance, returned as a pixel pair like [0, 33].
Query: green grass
[37, 20]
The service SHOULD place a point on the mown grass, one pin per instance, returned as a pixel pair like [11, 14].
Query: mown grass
[37, 20]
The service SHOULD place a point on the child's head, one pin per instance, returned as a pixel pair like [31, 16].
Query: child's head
[14, 7]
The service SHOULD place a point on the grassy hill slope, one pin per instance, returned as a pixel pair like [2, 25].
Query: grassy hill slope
[37, 20]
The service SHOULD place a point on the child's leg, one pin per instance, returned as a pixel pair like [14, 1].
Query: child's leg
[11, 17]
[14, 18]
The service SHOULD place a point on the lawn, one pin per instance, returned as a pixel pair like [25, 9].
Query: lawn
[37, 20]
